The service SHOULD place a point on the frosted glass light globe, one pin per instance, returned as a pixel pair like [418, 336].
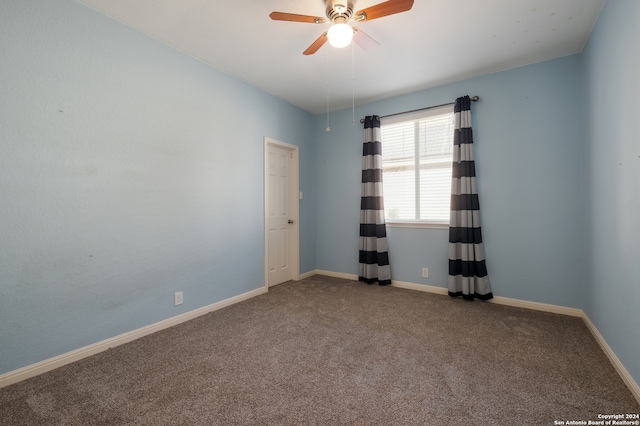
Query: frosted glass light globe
[340, 35]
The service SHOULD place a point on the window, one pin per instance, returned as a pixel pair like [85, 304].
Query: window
[417, 151]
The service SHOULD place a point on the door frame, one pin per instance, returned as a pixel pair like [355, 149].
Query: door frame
[294, 205]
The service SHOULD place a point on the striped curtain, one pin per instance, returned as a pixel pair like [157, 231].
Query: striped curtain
[467, 269]
[374, 254]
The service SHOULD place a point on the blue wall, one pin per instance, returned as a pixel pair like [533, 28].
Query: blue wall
[530, 158]
[128, 171]
[612, 292]
[558, 160]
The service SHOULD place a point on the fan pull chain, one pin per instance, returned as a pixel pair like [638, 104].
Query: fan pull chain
[353, 85]
[328, 129]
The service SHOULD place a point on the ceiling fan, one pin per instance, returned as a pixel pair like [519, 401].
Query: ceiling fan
[339, 12]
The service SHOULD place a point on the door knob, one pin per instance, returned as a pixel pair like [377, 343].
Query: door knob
[290, 221]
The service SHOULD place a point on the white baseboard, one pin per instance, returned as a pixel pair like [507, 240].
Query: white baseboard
[399, 284]
[342, 275]
[536, 306]
[306, 275]
[563, 310]
[624, 374]
[78, 354]
[496, 299]
[443, 290]
[420, 287]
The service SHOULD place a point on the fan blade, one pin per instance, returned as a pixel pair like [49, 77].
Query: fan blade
[292, 17]
[320, 41]
[364, 40]
[386, 8]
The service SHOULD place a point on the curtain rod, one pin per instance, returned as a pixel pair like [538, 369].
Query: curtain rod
[473, 98]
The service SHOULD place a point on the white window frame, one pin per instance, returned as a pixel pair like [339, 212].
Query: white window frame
[408, 117]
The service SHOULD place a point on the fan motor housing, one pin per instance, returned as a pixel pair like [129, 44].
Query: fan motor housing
[339, 10]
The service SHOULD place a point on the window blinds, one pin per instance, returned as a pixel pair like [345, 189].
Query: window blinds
[417, 151]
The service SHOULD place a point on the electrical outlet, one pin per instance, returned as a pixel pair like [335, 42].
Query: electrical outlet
[177, 298]
[425, 272]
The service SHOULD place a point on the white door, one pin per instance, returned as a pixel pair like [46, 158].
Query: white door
[280, 217]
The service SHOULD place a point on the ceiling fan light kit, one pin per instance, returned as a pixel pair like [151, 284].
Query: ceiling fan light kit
[339, 13]
[340, 35]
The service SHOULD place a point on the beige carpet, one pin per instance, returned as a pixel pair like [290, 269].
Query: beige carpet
[332, 351]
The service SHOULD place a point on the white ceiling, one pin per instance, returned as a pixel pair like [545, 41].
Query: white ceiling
[436, 42]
